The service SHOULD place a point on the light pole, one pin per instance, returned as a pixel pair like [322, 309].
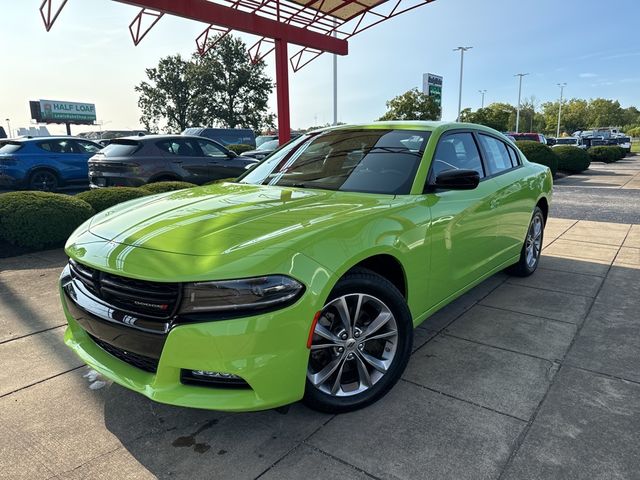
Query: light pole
[482, 92]
[561, 85]
[462, 50]
[519, 97]
[8, 128]
[335, 79]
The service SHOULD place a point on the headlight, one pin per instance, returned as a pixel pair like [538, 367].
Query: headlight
[248, 294]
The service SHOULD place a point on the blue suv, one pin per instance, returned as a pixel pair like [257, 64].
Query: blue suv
[45, 163]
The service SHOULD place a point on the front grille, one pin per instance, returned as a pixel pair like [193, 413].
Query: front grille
[139, 297]
[140, 361]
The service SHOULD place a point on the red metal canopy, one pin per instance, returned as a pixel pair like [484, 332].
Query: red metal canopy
[317, 26]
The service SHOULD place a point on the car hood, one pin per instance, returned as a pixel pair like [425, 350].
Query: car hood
[230, 218]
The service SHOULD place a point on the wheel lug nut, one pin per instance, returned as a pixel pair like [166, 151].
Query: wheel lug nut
[340, 349]
[357, 334]
[343, 336]
[361, 346]
[350, 356]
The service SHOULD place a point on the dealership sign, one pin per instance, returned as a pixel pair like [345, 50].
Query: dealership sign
[432, 86]
[54, 111]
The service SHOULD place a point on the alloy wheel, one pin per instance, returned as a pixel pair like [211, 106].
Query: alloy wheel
[534, 240]
[353, 345]
[44, 181]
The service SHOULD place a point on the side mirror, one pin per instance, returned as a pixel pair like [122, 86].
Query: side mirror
[232, 154]
[456, 180]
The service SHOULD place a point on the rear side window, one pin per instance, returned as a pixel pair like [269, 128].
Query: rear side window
[515, 158]
[10, 147]
[120, 149]
[497, 156]
[457, 151]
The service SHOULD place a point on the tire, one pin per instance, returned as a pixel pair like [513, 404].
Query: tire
[342, 353]
[43, 180]
[532, 247]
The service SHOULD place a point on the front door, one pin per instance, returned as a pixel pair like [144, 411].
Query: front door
[463, 225]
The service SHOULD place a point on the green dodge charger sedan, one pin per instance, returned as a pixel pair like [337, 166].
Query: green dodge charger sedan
[305, 278]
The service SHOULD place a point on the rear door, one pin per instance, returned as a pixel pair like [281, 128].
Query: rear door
[185, 159]
[82, 152]
[513, 204]
[463, 226]
[62, 155]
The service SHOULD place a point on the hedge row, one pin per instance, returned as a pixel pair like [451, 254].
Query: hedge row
[240, 147]
[567, 158]
[539, 153]
[40, 220]
[607, 154]
[572, 159]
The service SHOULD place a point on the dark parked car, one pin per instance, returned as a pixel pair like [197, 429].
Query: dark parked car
[265, 149]
[532, 137]
[45, 163]
[225, 136]
[135, 161]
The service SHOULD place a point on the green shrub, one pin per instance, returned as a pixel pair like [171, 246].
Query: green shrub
[239, 147]
[572, 159]
[619, 152]
[103, 198]
[606, 154]
[38, 220]
[161, 187]
[221, 180]
[539, 153]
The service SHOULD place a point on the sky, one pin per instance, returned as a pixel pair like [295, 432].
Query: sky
[88, 56]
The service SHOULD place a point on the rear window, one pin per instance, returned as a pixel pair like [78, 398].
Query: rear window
[120, 148]
[11, 147]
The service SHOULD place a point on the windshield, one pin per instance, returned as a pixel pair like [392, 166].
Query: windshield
[567, 141]
[10, 147]
[270, 145]
[350, 160]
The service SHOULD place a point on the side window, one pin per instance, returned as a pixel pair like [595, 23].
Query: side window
[457, 151]
[515, 158]
[56, 146]
[184, 148]
[498, 158]
[210, 149]
[85, 147]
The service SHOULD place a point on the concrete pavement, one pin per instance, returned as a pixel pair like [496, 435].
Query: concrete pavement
[519, 378]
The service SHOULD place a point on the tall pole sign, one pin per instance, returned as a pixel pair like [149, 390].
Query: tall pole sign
[432, 86]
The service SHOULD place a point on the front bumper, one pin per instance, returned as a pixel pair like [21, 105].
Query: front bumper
[267, 351]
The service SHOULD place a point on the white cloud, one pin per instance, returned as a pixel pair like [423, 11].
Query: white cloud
[588, 75]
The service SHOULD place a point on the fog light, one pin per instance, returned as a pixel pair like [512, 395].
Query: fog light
[207, 374]
[207, 378]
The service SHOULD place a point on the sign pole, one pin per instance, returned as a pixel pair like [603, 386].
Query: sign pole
[68, 128]
[282, 91]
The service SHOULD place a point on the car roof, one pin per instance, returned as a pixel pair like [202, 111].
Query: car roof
[151, 138]
[420, 125]
[53, 137]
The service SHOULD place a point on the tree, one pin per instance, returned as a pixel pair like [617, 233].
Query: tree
[605, 113]
[231, 91]
[497, 116]
[575, 116]
[222, 89]
[412, 105]
[169, 96]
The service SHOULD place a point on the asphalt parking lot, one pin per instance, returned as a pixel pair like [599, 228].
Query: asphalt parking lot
[519, 378]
